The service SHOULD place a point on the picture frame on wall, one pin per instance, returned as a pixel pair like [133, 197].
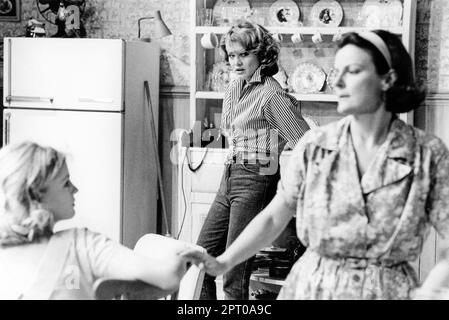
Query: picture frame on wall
[10, 10]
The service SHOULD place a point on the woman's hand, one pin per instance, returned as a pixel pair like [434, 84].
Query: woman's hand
[204, 261]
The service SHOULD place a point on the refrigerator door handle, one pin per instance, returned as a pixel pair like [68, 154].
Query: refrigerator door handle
[9, 67]
[90, 100]
[29, 99]
[6, 125]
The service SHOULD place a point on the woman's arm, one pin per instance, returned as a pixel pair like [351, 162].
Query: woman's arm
[164, 272]
[283, 114]
[261, 231]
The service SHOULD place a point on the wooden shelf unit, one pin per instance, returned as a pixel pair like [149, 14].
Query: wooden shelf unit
[202, 104]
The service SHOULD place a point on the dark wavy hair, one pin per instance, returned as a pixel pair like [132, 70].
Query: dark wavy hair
[254, 38]
[404, 95]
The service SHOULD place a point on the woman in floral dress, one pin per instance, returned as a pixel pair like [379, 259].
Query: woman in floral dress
[365, 190]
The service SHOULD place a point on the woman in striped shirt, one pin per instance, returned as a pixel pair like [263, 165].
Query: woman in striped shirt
[259, 119]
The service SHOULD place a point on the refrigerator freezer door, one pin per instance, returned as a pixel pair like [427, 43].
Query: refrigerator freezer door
[79, 74]
[92, 142]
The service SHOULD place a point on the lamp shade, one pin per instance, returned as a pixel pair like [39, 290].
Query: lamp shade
[161, 30]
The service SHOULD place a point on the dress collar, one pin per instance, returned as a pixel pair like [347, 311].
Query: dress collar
[400, 144]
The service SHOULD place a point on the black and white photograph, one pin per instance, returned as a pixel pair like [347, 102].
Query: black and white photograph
[282, 152]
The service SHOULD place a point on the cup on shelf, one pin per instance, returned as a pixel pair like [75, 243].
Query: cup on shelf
[317, 38]
[297, 38]
[337, 37]
[209, 40]
[206, 16]
[277, 37]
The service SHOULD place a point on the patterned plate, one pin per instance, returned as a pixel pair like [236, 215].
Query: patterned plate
[307, 78]
[327, 13]
[330, 79]
[284, 13]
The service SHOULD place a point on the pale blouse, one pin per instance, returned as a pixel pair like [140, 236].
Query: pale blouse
[91, 256]
[361, 234]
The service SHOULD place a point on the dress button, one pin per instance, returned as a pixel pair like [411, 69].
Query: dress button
[356, 278]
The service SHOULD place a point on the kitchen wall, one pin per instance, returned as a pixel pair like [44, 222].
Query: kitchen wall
[118, 19]
[432, 65]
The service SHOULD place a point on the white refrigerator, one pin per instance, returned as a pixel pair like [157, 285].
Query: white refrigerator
[86, 98]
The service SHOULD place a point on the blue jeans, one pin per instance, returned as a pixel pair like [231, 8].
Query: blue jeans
[244, 191]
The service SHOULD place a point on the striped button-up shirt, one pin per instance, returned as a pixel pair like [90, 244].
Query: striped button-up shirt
[260, 117]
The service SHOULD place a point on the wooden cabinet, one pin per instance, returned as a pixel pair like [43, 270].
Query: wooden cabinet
[197, 190]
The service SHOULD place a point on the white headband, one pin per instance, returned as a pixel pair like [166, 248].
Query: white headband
[378, 42]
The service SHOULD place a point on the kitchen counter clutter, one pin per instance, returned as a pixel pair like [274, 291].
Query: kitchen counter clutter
[272, 264]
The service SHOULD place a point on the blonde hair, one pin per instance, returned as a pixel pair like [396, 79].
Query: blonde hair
[25, 169]
[255, 38]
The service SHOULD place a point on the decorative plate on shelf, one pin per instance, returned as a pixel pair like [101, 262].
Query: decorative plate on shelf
[307, 78]
[326, 13]
[227, 12]
[381, 14]
[284, 13]
[330, 78]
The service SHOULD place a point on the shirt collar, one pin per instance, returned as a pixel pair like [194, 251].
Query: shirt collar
[400, 139]
[257, 76]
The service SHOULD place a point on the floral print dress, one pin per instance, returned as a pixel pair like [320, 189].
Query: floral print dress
[361, 234]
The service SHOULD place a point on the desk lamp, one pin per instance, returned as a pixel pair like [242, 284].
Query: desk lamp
[161, 29]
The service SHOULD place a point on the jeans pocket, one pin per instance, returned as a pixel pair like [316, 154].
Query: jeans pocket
[250, 167]
[263, 169]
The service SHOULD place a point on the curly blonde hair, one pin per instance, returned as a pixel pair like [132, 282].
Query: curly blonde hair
[256, 39]
[25, 169]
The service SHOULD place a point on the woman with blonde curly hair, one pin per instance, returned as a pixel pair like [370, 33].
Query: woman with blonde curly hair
[36, 263]
[259, 119]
